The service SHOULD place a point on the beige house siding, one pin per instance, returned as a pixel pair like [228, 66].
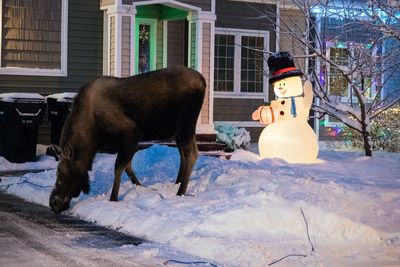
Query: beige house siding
[106, 2]
[295, 21]
[112, 46]
[32, 42]
[160, 47]
[176, 43]
[192, 55]
[126, 46]
[206, 52]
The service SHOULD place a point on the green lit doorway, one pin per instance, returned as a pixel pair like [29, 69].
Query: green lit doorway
[160, 38]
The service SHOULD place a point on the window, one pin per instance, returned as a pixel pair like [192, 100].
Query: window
[145, 45]
[338, 84]
[252, 61]
[239, 63]
[34, 37]
[224, 62]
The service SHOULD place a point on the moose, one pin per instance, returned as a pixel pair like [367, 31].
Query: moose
[114, 114]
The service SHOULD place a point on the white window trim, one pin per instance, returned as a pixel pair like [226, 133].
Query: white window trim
[254, 124]
[63, 71]
[238, 33]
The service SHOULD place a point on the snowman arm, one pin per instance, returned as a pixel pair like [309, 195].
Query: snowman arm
[275, 103]
[308, 94]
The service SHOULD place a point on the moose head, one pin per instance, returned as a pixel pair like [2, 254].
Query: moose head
[71, 180]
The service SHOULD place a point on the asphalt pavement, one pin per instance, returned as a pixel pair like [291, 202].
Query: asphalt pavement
[32, 235]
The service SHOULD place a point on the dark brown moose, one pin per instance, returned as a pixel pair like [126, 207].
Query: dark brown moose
[114, 114]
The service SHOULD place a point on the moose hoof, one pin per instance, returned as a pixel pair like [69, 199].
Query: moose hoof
[113, 198]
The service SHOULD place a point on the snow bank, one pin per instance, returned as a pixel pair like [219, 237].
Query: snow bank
[246, 211]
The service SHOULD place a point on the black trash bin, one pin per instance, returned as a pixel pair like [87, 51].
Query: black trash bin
[20, 116]
[59, 106]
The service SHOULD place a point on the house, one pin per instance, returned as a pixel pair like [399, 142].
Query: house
[52, 46]
[349, 43]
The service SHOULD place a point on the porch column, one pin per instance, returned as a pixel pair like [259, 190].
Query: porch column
[120, 25]
[201, 58]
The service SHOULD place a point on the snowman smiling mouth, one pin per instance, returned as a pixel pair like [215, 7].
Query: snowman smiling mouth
[282, 90]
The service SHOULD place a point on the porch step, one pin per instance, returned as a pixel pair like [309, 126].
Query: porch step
[201, 146]
[206, 137]
[206, 144]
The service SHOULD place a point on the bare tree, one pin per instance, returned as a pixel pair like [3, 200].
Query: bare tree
[367, 67]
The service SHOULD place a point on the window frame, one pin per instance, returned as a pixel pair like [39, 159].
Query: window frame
[61, 72]
[237, 93]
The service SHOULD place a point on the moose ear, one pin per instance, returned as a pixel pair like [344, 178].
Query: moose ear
[68, 152]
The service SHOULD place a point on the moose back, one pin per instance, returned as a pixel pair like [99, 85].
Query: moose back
[114, 114]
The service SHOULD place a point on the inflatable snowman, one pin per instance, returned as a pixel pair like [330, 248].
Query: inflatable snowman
[287, 135]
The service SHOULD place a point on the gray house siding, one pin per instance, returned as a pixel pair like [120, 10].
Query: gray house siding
[205, 5]
[85, 58]
[229, 109]
[240, 15]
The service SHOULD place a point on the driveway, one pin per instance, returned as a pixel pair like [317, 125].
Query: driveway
[32, 235]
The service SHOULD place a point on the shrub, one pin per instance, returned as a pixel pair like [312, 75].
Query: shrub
[232, 136]
[385, 131]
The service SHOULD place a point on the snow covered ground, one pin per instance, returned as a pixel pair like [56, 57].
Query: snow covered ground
[244, 211]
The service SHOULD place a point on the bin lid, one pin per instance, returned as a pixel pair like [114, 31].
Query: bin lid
[22, 97]
[63, 97]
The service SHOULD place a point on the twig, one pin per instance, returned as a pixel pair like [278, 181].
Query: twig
[290, 255]
[190, 262]
[308, 233]
[297, 255]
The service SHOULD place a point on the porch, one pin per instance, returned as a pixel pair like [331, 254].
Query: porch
[141, 36]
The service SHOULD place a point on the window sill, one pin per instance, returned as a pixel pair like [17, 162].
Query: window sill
[33, 72]
[240, 95]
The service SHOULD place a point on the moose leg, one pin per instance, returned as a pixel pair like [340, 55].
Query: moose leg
[131, 174]
[126, 151]
[190, 154]
[182, 163]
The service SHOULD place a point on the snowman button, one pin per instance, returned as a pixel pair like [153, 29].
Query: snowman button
[283, 102]
[282, 113]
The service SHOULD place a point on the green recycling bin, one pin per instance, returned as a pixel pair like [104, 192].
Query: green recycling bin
[20, 116]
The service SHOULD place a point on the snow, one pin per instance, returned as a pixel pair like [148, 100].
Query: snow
[43, 162]
[245, 211]
[63, 97]
[11, 97]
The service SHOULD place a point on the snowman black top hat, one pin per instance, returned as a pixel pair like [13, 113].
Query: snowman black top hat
[282, 66]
